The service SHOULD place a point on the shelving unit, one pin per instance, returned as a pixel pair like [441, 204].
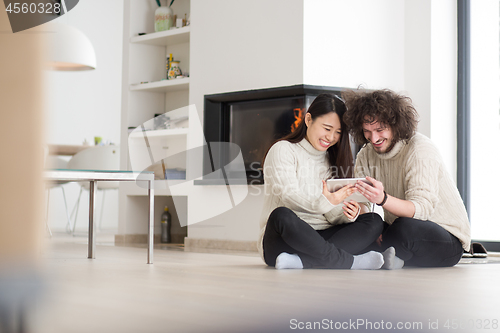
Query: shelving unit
[164, 38]
[161, 133]
[144, 60]
[162, 86]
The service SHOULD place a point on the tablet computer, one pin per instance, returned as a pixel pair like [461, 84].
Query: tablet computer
[336, 184]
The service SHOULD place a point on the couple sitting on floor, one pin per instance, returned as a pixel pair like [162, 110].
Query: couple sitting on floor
[303, 225]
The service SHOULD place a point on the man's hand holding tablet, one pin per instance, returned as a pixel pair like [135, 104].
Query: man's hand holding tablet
[334, 185]
[372, 190]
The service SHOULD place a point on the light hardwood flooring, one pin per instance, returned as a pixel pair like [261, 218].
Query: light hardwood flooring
[235, 292]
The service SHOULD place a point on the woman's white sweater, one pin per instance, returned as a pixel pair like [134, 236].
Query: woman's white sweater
[293, 175]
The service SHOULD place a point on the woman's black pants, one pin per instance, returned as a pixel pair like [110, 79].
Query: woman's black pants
[330, 248]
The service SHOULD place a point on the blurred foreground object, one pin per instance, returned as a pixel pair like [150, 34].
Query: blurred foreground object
[21, 193]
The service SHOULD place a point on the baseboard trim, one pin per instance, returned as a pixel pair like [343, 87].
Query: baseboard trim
[220, 244]
[190, 243]
[143, 239]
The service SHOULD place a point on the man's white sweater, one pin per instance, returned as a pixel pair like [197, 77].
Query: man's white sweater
[293, 174]
[414, 171]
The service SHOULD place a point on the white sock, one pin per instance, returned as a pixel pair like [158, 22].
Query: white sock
[368, 260]
[390, 259]
[287, 260]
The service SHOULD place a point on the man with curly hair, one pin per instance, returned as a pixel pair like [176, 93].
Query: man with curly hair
[426, 220]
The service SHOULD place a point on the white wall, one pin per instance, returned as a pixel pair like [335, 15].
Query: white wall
[389, 44]
[239, 45]
[417, 58]
[353, 43]
[443, 81]
[431, 71]
[81, 105]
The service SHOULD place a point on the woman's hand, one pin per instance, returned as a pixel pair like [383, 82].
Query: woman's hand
[351, 209]
[374, 194]
[338, 196]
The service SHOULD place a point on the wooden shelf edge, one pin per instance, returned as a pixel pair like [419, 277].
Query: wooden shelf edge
[163, 85]
[163, 38]
[160, 133]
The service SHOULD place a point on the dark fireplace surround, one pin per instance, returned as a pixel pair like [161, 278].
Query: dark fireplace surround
[250, 120]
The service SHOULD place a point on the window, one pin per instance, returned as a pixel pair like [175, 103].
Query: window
[484, 155]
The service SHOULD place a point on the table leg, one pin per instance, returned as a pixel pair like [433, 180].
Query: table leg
[92, 220]
[151, 225]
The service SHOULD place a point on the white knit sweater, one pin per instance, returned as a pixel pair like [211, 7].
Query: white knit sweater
[414, 171]
[293, 174]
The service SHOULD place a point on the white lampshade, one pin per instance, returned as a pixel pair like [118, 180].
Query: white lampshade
[69, 49]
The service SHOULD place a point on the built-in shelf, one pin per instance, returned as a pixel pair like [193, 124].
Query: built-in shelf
[164, 38]
[162, 86]
[160, 133]
[144, 61]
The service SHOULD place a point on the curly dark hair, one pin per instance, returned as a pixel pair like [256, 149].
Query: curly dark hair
[386, 107]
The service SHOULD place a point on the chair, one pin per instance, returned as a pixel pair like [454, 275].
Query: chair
[56, 162]
[96, 158]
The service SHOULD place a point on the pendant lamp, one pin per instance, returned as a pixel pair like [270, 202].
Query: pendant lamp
[69, 49]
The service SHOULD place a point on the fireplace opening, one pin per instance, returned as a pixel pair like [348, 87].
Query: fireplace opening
[253, 120]
[255, 125]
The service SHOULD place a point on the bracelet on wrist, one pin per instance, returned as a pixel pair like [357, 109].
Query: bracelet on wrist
[383, 201]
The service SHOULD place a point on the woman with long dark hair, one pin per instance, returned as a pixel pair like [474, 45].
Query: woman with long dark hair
[303, 225]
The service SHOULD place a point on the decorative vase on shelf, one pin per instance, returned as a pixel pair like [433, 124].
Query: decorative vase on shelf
[174, 71]
[164, 17]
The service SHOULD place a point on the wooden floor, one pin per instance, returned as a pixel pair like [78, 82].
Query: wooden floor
[230, 292]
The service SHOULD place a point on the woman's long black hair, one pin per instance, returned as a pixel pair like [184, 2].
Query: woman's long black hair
[339, 155]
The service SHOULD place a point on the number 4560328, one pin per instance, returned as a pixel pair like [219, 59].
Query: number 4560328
[32, 8]
[478, 324]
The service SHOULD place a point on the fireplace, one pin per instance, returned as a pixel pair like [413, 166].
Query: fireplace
[251, 120]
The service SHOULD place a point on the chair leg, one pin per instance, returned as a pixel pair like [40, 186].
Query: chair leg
[102, 209]
[77, 205]
[68, 224]
[74, 208]
[47, 214]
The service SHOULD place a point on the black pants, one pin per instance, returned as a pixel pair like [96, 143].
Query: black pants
[422, 243]
[330, 248]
